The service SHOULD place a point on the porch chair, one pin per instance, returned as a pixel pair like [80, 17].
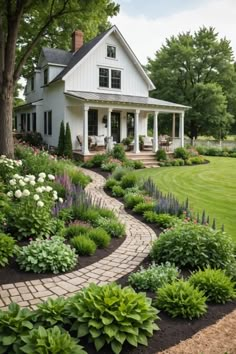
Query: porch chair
[147, 142]
[165, 142]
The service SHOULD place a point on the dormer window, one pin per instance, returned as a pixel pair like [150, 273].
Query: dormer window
[111, 51]
[45, 76]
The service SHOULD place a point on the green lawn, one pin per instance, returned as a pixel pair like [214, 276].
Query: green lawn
[211, 187]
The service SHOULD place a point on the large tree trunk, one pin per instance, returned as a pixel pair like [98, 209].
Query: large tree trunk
[6, 106]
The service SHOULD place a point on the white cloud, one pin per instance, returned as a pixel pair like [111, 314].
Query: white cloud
[146, 35]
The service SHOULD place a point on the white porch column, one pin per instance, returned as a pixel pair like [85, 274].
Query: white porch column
[155, 132]
[109, 142]
[85, 149]
[181, 128]
[173, 127]
[136, 132]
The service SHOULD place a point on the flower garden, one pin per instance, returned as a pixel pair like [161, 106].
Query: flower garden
[49, 223]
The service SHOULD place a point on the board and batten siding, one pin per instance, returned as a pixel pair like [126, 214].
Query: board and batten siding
[85, 75]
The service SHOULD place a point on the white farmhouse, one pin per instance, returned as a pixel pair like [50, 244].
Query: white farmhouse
[101, 89]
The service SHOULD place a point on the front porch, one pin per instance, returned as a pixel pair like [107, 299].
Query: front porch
[111, 118]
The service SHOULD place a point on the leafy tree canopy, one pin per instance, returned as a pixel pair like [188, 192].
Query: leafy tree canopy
[198, 70]
[27, 25]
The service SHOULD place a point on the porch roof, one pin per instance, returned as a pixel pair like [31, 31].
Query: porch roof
[124, 99]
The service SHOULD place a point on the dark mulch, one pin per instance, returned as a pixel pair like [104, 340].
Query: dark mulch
[172, 331]
[12, 274]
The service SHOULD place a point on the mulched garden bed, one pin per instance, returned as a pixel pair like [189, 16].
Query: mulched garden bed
[12, 274]
[172, 331]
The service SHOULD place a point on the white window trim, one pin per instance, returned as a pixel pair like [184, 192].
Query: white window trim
[111, 45]
[110, 69]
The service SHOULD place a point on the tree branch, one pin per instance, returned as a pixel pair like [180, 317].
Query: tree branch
[38, 36]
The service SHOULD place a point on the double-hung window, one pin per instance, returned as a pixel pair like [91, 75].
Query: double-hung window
[116, 79]
[110, 78]
[48, 123]
[103, 77]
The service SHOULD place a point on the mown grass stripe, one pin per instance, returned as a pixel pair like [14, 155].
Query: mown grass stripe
[211, 187]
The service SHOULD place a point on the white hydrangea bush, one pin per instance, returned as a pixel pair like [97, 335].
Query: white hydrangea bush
[8, 167]
[33, 199]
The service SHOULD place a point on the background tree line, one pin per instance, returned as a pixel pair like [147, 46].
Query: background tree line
[197, 70]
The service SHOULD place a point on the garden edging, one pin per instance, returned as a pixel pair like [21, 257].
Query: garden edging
[121, 262]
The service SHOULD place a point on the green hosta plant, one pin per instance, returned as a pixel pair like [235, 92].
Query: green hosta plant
[111, 315]
[14, 323]
[215, 284]
[181, 299]
[154, 277]
[50, 341]
[52, 312]
[50, 255]
[7, 249]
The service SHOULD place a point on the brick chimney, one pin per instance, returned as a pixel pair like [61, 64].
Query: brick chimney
[77, 40]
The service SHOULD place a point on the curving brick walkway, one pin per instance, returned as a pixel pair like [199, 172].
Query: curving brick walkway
[121, 262]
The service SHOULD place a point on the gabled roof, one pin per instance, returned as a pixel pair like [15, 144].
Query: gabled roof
[57, 56]
[80, 54]
[87, 47]
[124, 99]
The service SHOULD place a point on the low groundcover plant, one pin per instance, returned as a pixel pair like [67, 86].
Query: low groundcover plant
[154, 277]
[50, 255]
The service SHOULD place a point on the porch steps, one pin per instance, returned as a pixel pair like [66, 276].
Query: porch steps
[148, 158]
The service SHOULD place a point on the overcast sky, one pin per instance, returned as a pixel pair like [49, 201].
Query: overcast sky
[146, 24]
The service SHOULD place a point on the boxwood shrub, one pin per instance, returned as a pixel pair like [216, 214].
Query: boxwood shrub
[192, 246]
